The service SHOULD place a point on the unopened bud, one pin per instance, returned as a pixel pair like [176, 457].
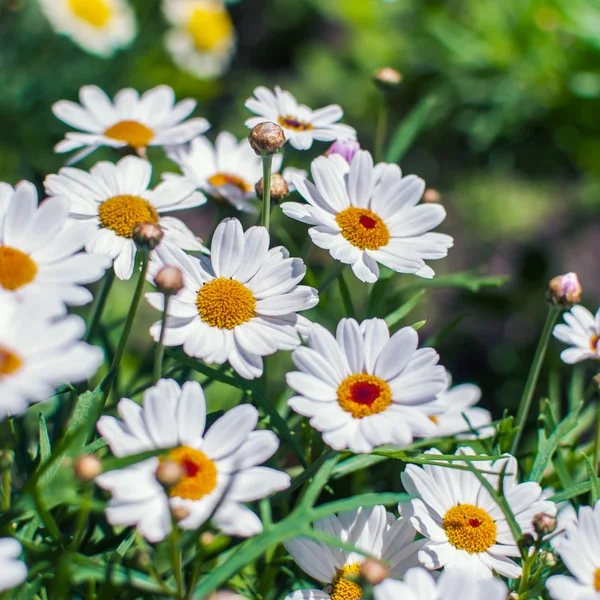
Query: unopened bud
[207, 538]
[169, 280]
[168, 473]
[543, 524]
[180, 512]
[6, 460]
[147, 235]
[143, 559]
[513, 596]
[266, 138]
[526, 541]
[547, 558]
[279, 188]
[431, 195]
[225, 595]
[565, 290]
[88, 467]
[387, 79]
[374, 571]
[345, 148]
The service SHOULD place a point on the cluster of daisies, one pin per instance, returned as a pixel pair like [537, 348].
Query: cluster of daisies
[241, 299]
[201, 37]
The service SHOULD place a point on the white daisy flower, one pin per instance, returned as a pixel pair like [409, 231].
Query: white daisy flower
[366, 215]
[579, 550]
[464, 527]
[239, 305]
[202, 39]
[39, 350]
[363, 388]
[582, 332]
[419, 584]
[39, 249]
[229, 170]
[460, 416]
[150, 120]
[98, 26]
[373, 530]
[301, 124]
[219, 465]
[13, 570]
[116, 198]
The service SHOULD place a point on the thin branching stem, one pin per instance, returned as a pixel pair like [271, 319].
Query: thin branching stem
[267, 161]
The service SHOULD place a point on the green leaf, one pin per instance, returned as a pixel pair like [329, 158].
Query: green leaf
[45, 448]
[356, 463]
[364, 500]
[408, 130]
[573, 491]
[470, 280]
[594, 484]
[112, 464]
[403, 310]
[416, 326]
[333, 541]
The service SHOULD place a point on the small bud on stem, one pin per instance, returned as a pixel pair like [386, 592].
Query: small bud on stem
[147, 235]
[279, 188]
[345, 148]
[266, 138]
[168, 473]
[387, 79]
[564, 290]
[88, 467]
[543, 524]
[374, 571]
[431, 195]
[169, 280]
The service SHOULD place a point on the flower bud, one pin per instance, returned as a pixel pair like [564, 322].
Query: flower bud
[6, 460]
[345, 148]
[387, 79]
[266, 138]
[143, 559]
[543, 524]
[565, 290]
[147, 235]
[526, 541]
[168, 473]
[431, 195]
[169, 280]
[207, 538]
[547, 558]
[279, 188]
[225, 595]
[374, 571]
[88, 467]
[180, 512]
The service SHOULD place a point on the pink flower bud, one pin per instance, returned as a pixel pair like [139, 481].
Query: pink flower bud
[345, 148]
[565, 290]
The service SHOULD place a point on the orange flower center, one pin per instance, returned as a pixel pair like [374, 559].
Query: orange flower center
[594, 343]
[134, 134]
[220, 179]
[16, 268]
[199, 473]
[225, 303]
[123, 213]
[294, 124]
[597, 580]
[469, 528]
[210, 29]
[344, 588]
[94, 12]
[363, 228]
[363, 395]
[9, 362]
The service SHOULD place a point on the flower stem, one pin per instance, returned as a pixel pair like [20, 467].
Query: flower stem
[6, 489]
[533, 376]
[597, 437]
[381, 129]
[266, 211]
[160, 348]
[99, 305]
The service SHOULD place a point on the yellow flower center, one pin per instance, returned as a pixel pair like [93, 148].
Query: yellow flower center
[594, 343]
[220, 179]
[362, 395]
[123, 213]
[210, 28]
[16, 268]
[344, 588]
[94, 12]
[294, 124]
[469, 528]
[363, 228]
[225, 303]
[597, 580]
[199, 473]
[433, 419]
[9, 362]
[134, 134]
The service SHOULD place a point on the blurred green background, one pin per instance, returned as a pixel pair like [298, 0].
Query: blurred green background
[512, 142]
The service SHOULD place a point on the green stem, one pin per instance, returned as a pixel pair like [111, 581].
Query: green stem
[381, 129]
[6, 489]
[533, 376]
[177, 560]
[160, 348]
[266, 211]
[346, 298]
[597, 439]
[99, 305]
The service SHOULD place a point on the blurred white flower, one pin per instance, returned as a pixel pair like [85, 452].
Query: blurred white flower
[130, 120]
[98, 26]
[582, 332]
[202, 39]
[229, 170]
[219, 466]
[39, 350]
[365, 215]
[373, 530]
[39, 250]
[237, 306]
[13, 570]
[115, 198]
[464, 526]
[365, 389]
[300, 124]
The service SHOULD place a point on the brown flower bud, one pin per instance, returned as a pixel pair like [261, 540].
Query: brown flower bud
[387, 79]
[180, 512]
[88, 467]
[374, 571]
[169, 280]
[526, 541]
[147, 235]
[279, 188]
[431, 195]
[543, 524]
[225, 595]
[564, 290]
[168, 473]
[266, 138]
